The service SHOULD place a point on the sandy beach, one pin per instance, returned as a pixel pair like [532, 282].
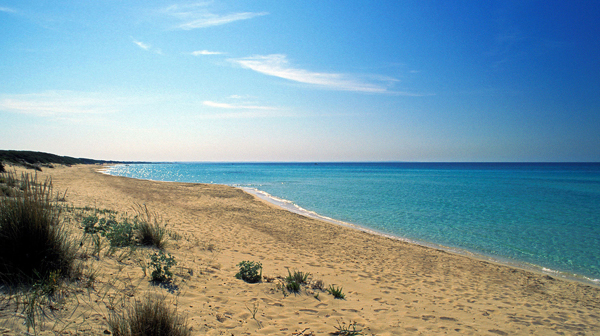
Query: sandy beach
[391, 287]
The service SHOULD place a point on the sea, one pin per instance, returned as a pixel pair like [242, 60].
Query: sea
[539, 216]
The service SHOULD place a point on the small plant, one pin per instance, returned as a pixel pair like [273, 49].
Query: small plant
[350, 329]
[93, 225]
[162, 263]
[297, 276]
[89, 277]
[281, 287]
[294, 280]
[336, 292]
[98, 245]
[49, 285]
[253, 312]
[32, 303]
[318, 284]
[149, 317]
[250, 271]
[293, 286]
[120, 234]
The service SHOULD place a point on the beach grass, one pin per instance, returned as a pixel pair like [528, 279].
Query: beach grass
[150, 229]
[149, 316]
[336, 292]
[34, 243]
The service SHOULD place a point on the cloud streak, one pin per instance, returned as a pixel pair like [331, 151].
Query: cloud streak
[209, 20]
[7, 10]
[277, 65]
[236, 106]
[147, 47]
[196, 16]
[206, 52]
[57, 103]
[142, 45]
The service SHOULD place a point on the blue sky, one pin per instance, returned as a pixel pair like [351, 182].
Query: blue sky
[302, 80]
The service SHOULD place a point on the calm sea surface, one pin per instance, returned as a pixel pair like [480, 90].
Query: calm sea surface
[538, 215]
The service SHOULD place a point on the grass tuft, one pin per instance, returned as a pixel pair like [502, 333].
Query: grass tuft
[347, 329]
[149, 317]
[150, 230]
[295, 280]
[336, 292]
[34, 243]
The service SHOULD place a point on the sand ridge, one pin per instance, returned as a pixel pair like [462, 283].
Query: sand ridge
[391, 287]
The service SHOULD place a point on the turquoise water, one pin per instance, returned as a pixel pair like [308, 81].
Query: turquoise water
[540, 215]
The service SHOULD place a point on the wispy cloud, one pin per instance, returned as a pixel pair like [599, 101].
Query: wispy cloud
[242, 115]
[277, 65]
[147, 47]
[198, 16]
[205, 52]
[209, 20]
[7, 10]
[237, 106]
[57, 103]
[142, 45]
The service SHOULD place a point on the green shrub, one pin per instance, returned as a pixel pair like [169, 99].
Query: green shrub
[149, 317]
[120, 234]
[250, 271]
[336, 292]
[93, 225]
[162, 264]
[34, 243]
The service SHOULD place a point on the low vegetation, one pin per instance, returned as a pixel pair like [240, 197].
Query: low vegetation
[144, 229]
[161, 264]
[34, 243]
[250, 271]
[149, 317]
[347, 329]
[336, 292]
[150, 229]
[295, 280]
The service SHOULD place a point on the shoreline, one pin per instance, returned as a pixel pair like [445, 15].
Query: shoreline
[539, 269]
[290, 206]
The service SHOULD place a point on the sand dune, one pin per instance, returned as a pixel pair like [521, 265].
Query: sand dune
[391, 287]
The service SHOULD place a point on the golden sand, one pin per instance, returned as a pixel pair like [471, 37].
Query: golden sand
[391, 287]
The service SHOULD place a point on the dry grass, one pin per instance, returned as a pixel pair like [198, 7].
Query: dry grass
[149, 317]
[34, 243]
[150, 230]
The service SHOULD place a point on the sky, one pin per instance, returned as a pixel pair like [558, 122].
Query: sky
[302, 80]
